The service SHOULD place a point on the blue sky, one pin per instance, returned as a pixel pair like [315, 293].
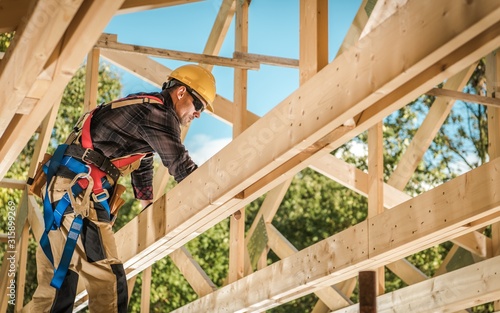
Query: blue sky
[273, 30]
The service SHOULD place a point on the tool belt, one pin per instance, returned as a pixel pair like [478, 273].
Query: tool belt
[90, 156]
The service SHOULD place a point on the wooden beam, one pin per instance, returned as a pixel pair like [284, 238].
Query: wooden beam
[91, 80]
[177, 55]
[49, 19]
[376, 193]
[447, 293]
[267, 59]
[291, 131]
[192, 271]
[156, 73]
[146, 290]
[417, 224]
[219, 29]
[237, 245]
[130, 6]
[357, 180]
[12, 11]
[12, 183]
[313, 31]
[80, 35]
[493, 89]
[333, 298]
[457, 95]
[22, 254]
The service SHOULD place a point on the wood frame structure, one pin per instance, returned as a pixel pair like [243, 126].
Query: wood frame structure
[432, 42]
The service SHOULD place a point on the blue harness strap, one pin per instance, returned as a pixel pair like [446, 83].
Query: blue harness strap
[50, 170]
[69, 248]
[53, 216]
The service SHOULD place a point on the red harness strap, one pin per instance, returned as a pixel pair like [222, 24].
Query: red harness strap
[95, 172]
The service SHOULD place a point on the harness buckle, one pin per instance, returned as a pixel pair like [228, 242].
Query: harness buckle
[102, 196]
[84, 156]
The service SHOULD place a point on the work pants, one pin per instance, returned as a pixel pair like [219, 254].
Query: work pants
[95, 260]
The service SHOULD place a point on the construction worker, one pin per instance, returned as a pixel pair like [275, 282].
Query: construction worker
[81, 197]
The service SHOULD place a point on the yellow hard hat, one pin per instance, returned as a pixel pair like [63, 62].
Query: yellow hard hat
[199, 79]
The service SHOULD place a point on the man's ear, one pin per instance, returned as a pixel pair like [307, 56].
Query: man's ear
[181, 91]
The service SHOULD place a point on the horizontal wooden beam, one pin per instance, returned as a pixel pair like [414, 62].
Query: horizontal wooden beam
[457, 95]
[450, 292]
[12, 183]
[461, 205]
[266, 59]
[177, 55]
[298, 126]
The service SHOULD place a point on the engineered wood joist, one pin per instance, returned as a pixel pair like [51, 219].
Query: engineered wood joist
[305, 117]
[449, 210]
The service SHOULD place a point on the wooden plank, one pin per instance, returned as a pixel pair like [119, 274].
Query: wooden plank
[313, 30]
[407, 271]
[178, 55]
[49, 19]
[382, 239]
[237, 245]
[192, 271]
[355, 179]
[331, 297]
[457, 95]
[219, 30]
[156, 73]
[376, 192]
[447, 293]
[91, 80]
[81, 34]
[12, 183]
[267, 59]
[21, 273]
[12, 11]
[213, 202]
[146, 290]
[130, 6]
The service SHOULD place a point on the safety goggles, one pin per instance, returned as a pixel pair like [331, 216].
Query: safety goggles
[198, 104]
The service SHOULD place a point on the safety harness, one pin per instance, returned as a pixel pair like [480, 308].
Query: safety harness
[92, 171]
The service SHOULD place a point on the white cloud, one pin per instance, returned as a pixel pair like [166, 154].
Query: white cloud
[202, 147]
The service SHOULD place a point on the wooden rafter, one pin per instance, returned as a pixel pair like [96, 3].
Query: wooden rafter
[377, 241]
[205, 209]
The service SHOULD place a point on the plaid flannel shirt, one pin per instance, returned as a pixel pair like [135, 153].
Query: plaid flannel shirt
[143, 128]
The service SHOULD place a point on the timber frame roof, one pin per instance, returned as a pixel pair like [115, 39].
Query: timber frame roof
[432, 42]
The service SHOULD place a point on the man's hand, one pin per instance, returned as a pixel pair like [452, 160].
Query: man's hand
[145, 204]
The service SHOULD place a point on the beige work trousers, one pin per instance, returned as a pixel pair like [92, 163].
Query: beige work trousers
[95, 260]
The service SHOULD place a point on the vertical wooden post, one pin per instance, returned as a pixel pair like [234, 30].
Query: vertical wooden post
[21, 270]
[237, 220]
[376, 185]
[313, 37]
[91, 80]
[493, 90]
[146, 290]
[368, 292]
